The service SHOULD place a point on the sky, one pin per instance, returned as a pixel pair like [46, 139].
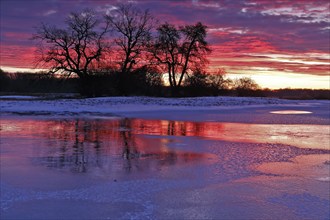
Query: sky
[278, 43]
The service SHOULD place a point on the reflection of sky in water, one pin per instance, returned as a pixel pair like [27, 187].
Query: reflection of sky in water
[122, 144]
[301, 166]
[104, 146]
[291, 112]
[106, 131]
[247, 167]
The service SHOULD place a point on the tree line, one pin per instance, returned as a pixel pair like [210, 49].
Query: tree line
[124, 40]
[128, 42]
[50, 85]
[128, 52]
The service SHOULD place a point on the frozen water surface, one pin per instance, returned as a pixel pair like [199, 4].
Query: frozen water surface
[146, 165]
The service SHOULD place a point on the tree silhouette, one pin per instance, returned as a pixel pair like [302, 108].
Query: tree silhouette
[74, 49]
[245, 83]
[166, 50]
[218, 81]
[133, 32]
[180, 50]
[194, 47]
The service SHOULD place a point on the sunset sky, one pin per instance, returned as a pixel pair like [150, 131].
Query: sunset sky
[279, 43]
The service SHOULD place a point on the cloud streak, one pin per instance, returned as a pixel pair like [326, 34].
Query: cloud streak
[246, 35]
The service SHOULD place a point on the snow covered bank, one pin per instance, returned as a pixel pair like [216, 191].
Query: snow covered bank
[18, 97]
[192, 109]
[127, 104]
[92, 166]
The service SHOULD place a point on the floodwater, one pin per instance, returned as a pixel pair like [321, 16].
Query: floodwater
[120, 168]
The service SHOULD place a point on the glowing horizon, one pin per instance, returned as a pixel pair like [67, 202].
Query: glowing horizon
[279, 44]
[265, 81]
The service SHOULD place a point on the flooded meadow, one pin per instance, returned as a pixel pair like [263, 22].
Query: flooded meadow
[112, 167]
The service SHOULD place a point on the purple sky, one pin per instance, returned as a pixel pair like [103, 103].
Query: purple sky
[260, 38]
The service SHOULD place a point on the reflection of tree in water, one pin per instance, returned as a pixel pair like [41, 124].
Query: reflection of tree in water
[129, 147]
[135, 155]
[77, 145]
[87, 145]
[176, 128]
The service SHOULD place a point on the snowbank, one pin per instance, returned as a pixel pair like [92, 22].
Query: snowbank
[230, 109]
[18, 97]
[30, 104]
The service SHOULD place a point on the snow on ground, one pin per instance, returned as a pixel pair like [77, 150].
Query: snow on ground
[31, 104]
[230, 109]
[17, 97]
[78, 165]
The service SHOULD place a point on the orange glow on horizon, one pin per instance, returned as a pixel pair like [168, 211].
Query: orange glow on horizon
[280, 44]
[266, 79]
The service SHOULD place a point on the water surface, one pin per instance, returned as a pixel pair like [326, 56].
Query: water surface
[134, 168]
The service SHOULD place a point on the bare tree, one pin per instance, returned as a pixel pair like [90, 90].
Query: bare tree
[180, 50]
[219, 81]
[194, 47]
[166, 50]
[245, 83]
[74, 49]
[133, 28]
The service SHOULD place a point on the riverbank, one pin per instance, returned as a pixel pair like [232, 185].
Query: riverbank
[220, 109]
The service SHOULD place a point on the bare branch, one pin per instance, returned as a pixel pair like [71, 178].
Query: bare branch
[133, 29]
[75, 48]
